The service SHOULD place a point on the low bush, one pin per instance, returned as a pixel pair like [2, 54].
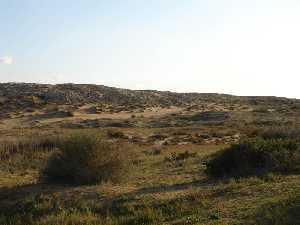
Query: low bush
[256, 156]
[86, 159]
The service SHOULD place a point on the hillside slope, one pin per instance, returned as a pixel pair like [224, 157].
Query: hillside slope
[16, 96]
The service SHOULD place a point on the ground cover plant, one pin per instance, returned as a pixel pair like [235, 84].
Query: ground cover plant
[281, 212]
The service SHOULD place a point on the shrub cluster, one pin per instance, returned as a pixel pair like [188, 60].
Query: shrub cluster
[256, 156]
[86, 159]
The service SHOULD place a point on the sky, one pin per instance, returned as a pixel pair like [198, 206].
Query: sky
[236, 47]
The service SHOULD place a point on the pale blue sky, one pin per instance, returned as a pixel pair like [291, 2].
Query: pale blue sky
[228, 46]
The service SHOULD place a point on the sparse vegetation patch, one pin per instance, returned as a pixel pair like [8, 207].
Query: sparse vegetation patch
[278, 213]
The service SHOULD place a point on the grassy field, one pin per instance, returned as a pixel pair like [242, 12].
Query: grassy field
[167, 185]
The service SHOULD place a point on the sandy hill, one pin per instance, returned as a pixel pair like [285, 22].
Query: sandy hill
[16, 96]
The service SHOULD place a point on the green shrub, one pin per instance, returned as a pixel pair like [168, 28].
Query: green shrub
[256, 157]
[87, 160]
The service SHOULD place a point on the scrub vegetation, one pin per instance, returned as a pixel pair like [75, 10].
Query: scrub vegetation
[74, 155]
